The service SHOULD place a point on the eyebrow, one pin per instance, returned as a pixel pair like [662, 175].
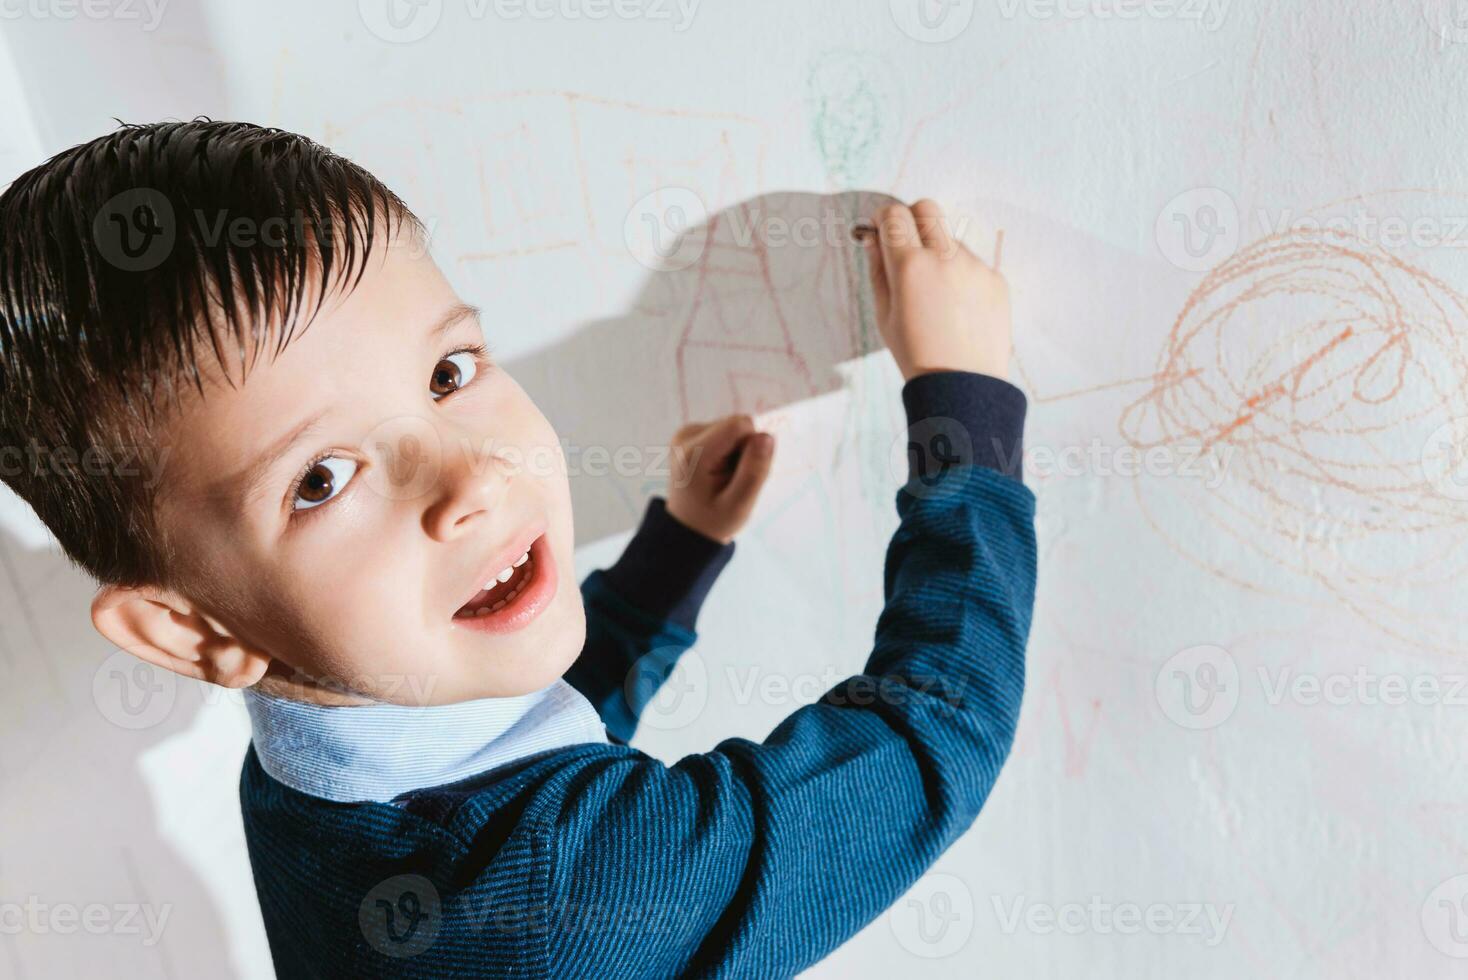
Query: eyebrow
[253, 479]
[450, 319]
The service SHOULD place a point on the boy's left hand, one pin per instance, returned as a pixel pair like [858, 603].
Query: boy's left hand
[718, 469]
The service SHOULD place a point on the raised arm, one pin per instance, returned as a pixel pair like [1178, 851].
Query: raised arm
[759, 858]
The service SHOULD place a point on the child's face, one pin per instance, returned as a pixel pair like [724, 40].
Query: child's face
[432, 474]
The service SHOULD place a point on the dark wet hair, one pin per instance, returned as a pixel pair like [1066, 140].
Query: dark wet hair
[118, 257]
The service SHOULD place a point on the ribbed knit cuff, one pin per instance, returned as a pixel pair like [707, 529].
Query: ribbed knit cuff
[964, 417]
[668, 568]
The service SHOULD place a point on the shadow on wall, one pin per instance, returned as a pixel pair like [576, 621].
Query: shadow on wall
[750, 311]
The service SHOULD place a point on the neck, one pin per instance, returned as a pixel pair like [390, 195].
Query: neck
[282, 681]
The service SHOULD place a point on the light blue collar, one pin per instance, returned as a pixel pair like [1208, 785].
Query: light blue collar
[378, 751]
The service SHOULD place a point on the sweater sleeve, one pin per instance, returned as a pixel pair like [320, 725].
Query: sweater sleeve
[759, 858]
[641, 615]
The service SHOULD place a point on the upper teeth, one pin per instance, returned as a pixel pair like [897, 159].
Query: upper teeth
[504, 576]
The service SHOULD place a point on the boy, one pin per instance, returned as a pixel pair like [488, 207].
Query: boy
[370, 531]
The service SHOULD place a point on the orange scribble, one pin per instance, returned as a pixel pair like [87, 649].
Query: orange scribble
[1312, 367]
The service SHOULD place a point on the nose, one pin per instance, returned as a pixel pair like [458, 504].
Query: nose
[472, 483]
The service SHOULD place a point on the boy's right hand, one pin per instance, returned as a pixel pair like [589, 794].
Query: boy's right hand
[939, 307]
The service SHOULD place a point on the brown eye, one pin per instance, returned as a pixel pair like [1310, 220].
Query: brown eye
[317, 485]
[449, 376]
[321, 482]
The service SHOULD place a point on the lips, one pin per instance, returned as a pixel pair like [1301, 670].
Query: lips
[538, 586]
[497, 562]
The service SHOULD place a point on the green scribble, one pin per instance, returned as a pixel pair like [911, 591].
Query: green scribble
[849, 113]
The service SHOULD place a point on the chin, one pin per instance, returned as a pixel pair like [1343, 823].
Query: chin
[540, 663]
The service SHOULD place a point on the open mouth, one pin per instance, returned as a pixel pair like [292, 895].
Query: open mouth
[530, 584]
[508, 586]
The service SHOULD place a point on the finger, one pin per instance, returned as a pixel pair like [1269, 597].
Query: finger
[932, 225]
[757, 451]
[717, 442]
[689, 431]
[897, 229]
[897, 237]
[877, 272]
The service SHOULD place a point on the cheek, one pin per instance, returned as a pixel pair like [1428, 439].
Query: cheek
[355, 606]
[536, 445]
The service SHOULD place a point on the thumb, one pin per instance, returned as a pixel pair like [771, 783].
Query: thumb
[755, 457]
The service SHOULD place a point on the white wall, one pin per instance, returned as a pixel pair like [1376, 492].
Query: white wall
[1299, 521]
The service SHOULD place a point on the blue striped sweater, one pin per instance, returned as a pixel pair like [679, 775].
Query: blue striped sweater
[752, 859]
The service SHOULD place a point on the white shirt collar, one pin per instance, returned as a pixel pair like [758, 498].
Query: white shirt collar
[379, 751]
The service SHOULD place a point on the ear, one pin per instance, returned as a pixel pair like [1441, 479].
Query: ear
[169, 631]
